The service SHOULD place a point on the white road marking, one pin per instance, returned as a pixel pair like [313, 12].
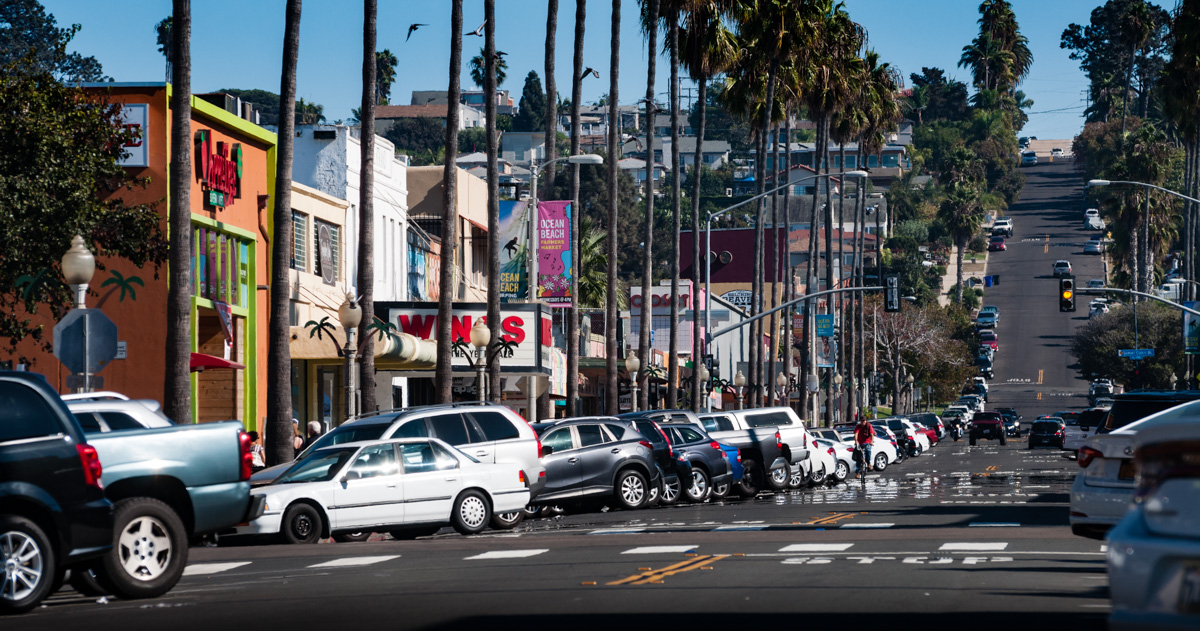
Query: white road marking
[659, 550]
[507, 554]
[867, 525]
[211, 568]
[617, 531]
[728, 528]
[993, 524]
[355, 561]
[816, 547]
[975, 546]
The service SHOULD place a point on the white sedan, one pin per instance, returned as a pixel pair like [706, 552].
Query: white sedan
[844, 455]
[406, 487]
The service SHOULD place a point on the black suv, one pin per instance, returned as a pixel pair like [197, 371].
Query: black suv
[676, 469]
[1137, 405]
[710, 466]
[53, 513]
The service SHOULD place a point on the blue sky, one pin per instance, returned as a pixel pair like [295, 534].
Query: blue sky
[238, 44]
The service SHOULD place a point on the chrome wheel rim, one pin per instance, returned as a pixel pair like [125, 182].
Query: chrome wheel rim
[144, 548]
[509, 517]
[699, 486]
[633, 491]
[779, 476]
[843, 470]
[671, 492]
[473, 511]
[721, 489]
[24, 565]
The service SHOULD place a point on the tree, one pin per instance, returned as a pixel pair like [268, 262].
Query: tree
[308, 113]
[279, 355]
[477, 69]
[444, 376]
[177, 389]
[650, 27]
[417, 134]
[532, 113]
[1094, 345]
[162, 32]
[944, 99]
[493, 188]
[593, 272]
[673, 334]
[31, 36]
[385, 76]
[267, 103]
[366, 206]
[577, 207]
[59, 177]
[610, 319]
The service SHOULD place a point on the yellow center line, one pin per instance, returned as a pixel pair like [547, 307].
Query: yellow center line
[992, 468]
[1040, 377]
[830, 519]
[1039, 398]
[1046, 249]
[654, 574]
[706, 564]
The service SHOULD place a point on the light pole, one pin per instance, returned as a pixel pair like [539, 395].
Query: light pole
[632, 365]
[739, 384]
[480, 337]
[814, 386]
[702, 375]
[781, 384]
[910, 381]
[350, 315]
[534, 169]
[837, 387]
[78, 265]
[708, 237]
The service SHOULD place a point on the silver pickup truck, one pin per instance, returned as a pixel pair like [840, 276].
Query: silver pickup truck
[169, 486]
[775, 438]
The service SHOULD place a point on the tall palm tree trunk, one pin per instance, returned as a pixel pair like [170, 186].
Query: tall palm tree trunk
[753, 354]
[493, 198]
[830, 279]
[1132, 224]
[960, 242]
[577, 210]
[1147, 268]
[785, 261]
[551, 122]
[844, 334]
[177, 388]
[443, 375]
[698, 351]
[761, 382]
[366, 211]
[812, 272]
[279, 354]
[1128, 79]
[772, 348]
[610, 299]
[645, 312]
[676, 225]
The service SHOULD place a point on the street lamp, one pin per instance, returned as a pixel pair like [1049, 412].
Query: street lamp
[1174, 380]
[781, 384]
[702, 376]
[910, 381]
[480, 336]
[78, 266]
[837, 387]
[534, 170]
[739, 384]
[708, 235]
[631, 367]
[350, 315]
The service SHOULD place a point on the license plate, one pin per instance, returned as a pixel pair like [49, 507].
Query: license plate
[1189, 590]
[1126, 472]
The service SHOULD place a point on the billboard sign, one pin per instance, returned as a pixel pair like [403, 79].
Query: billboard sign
[1191, 329]
[526, 326]
[554, 253]
[514, 253]
[824, 323]
[136, 117]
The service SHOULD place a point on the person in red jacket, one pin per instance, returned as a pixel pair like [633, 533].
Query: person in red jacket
[864, 437]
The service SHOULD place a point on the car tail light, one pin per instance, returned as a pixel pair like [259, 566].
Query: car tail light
[1086, 455]
[646, 444]
[831, 452]
[739, 455]
[247, 457]
[91, 465]
[521, 477]
[1165, 461]
[539, 444]
[666, 440]
[778, 440]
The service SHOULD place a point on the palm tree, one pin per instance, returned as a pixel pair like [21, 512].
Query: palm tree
[366, 209]
[493, 187]
[279, 355]
[1138, 25]
[385, 75]
[673, 340]
[593, 271]
[963, 215]
[610, 320]
[478, 68]
[1181, 104]
[177, 388]
[573, 312]
[551, 120]
[444, 377]
[650, 26]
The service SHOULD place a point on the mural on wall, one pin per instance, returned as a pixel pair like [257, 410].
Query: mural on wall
[554, 253]
[514, 235]
[424, 267]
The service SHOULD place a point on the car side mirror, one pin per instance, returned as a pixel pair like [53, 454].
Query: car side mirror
[547, 450]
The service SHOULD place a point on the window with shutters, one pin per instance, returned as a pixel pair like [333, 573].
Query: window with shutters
[299, 241]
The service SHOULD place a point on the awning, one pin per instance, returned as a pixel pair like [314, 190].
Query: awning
[200, 361]
[475, 223]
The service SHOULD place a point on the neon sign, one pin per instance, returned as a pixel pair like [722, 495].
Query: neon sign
[220, 171]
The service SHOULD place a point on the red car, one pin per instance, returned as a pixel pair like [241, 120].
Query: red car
[989, 338]
[997, 244]
[929, 433]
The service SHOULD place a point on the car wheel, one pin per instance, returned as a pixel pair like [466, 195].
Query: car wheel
[817, 479]
[797, 479]
[471, 513]
[507, 521]
[631, 489]
[28, 564]
[301, 524]
[881, 462]
[700, 488]
[842, 471]
[751, 478]
[972, 441]
[654, 496]
[150, 550]
[721, 491]
[670, 493]
[778, 479]
[351, 537]
[406, 534]
[1003, 440]
[83, 580]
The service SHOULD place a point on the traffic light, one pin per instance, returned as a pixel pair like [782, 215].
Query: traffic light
[891, 293]
[1066, 293]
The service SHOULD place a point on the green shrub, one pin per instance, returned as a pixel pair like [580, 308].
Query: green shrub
[913, 229]
[978, 244]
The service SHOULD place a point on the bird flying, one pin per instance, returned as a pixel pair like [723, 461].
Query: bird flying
[590, 71]
[411, 28]
[479, 31]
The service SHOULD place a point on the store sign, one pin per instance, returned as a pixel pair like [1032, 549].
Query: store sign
[325, 252]
[219, 171]
[527, 331]
[739, 298]
[514, 266]
[136, 118]
[554, 253]
[1191, 330]
[660, 298]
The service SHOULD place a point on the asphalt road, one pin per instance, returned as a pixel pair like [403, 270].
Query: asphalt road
[960, 537]
[1034, 369]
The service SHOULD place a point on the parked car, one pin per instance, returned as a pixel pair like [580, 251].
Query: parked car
[930, 421]
[985, 320]
[885, 448]
[593, 458]
[985, 367]
[988, 425]
[1083, 426]
[1092, 220]
[674, 471]
[1153, 573]
[407, 487]
[1061, 267]
[116, 415]
[909, 440]
[976, 388]
[1101, 492]
[993, 309]
[485, 431]
[1047, 432]
[838, 434]
[776, 458]
[709, 462]
[1094, 245]
[996, 244]
[1003, 226]
[53, 512]
[1170, 290]
[961, 411]
[989, 338]
[1099, 388]
[843, 455]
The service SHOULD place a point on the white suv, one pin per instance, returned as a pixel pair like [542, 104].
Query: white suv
[1062, 268]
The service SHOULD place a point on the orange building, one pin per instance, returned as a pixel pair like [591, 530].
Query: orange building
[233, 181]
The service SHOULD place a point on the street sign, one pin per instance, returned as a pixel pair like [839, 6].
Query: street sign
[824, 323]
[1136, 353]
[1191, 330]
[891, 293]
[85, 340]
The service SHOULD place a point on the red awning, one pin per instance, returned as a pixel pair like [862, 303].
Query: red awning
[200, 361]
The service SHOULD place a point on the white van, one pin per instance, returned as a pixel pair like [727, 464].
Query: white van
[1170, 290]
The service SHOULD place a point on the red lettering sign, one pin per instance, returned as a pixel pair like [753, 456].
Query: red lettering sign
[513, 329]
[460, 329]
[547, 332]
[419, 326]
[219, 171]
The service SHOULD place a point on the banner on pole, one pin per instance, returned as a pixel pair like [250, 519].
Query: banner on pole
[824, 323]
[1191, 329]
[514, 235]
[554, 253]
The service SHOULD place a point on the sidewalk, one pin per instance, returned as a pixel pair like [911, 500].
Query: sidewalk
[977, 270]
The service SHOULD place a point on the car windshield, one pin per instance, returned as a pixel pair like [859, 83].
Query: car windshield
[320, 467]
[1126, 412]
[1045, 427]
[348, 433]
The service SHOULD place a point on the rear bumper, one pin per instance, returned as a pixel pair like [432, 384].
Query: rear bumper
[1148, 577]
[220, 506]
[91, 528]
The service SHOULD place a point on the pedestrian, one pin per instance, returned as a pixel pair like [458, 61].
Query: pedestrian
[297, 438]
[864, 437]
[257, 463]
[314, 432]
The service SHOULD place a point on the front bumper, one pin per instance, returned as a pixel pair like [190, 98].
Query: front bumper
[266, 524]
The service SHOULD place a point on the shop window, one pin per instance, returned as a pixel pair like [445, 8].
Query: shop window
[299, 241]
[220, 266]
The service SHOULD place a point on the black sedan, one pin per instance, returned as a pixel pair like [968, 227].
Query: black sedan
[675, 470]
[1047, 433]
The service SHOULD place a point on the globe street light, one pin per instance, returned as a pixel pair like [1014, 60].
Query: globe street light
[702, 376]
[910, 381]
[350, 315]
[78, 266]
[632, 365]
[480, 336]
[837, 387]
[739, 384]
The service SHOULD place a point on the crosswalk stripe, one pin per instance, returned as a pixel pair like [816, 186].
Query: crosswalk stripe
[659, 550]
[733, 528]
[617, 531]
[974, 546]
[853, 525]
[507, 554]
[198, 569]
[817, 547]
[993, 524]
[354, 561]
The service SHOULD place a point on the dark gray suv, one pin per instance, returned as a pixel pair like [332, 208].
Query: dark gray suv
[596, 458]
